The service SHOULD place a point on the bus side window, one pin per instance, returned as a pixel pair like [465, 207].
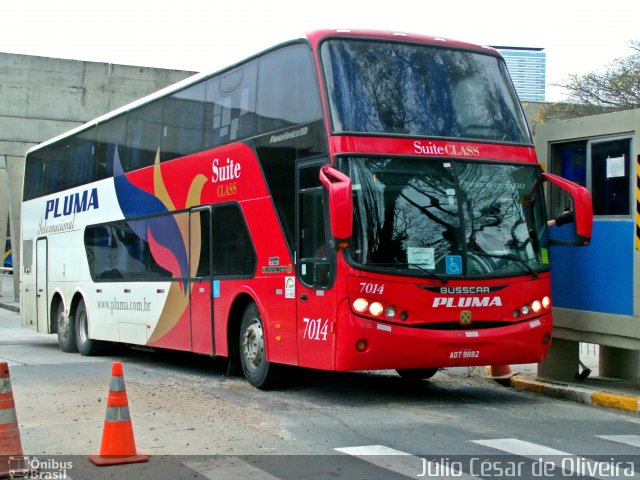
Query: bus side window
[233, 251]
[286, 98]
[204, 253]
[231, 100]
[143, 136]
[112, 138]
[183, 122]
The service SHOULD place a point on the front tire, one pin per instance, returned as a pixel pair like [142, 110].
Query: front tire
[86, 346]
[253, 351]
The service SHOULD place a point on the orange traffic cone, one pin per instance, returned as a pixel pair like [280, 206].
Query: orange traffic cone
[118, 445]
[501, 373]
[11, 456]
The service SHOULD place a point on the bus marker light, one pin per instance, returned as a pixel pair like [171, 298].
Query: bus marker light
[360, 305]
[278, 338]
[361, 345]
[376, 309]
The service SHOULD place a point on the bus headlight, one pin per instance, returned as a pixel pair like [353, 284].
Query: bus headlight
[390, 312]
[536, 306]
[360, 305]
[376, 309]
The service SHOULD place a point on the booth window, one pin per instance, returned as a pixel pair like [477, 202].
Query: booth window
[602, 165]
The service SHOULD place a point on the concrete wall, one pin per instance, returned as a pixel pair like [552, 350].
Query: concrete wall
[44, 97]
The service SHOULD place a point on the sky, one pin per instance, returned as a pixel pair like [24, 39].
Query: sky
[200, 35]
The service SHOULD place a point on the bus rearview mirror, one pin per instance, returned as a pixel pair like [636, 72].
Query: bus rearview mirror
[581, 213]
[338, 186]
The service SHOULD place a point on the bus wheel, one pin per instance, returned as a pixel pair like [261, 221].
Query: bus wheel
[86, 346]
[417, 373]
[253, 353]
[66, 330]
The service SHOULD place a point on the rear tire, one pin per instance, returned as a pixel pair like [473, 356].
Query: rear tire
[253, 352]
[65, 327]
[86, 346]
[417, 373]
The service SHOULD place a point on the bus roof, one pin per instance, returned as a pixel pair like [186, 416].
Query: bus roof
[318, 36]
[314, 37]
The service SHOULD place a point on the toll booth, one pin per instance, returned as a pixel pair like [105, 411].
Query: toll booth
[595, 290]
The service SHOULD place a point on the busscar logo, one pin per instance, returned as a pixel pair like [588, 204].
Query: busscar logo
[464, 290]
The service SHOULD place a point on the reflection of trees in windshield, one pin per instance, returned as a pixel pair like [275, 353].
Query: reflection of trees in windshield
[380, 87]
[399, 209]
[408, 213]
[495, 220]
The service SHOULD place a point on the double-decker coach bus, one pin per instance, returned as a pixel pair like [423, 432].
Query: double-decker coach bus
[353, 200]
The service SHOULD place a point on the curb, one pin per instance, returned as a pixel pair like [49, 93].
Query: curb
[629, 403]
[13, 308]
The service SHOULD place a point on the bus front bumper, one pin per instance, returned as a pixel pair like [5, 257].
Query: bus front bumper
[364, 344]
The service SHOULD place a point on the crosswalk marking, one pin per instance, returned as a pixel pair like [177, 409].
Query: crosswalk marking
[224, 468]
[412, 466]
[520, 447]
[633, 440]
[562, 461]
[402, 462]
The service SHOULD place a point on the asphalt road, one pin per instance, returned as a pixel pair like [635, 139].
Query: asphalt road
[196, 422]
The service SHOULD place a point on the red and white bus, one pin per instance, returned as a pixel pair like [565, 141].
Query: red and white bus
[354, 200]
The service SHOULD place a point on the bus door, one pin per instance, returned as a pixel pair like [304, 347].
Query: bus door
[42, 308]
[316, 328]
[201, 284]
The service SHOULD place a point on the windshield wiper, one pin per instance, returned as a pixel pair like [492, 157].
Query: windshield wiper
[398, 265]
[508, 257]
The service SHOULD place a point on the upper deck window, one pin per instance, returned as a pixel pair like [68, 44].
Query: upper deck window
[420, 90]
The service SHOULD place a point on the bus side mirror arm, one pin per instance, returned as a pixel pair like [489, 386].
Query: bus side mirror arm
[582, 215]
[339, 188]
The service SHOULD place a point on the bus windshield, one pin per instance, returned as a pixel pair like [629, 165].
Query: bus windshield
[420, 90]
[445, 218]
